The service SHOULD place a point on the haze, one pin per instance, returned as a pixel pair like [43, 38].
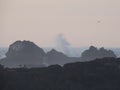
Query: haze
[82, 22]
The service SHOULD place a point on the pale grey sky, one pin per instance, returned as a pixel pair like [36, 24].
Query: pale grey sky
[83, 22]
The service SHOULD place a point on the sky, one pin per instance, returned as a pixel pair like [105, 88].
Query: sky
[81, 22]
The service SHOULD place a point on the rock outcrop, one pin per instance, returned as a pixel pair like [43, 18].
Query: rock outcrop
[28, 54]
[94, 53]
[23, 53]
[55, 57]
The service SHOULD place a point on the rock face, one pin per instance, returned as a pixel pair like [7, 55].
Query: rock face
[24, 48]
[23, 53]
[55, 57]
[94, 53]
[26, 53]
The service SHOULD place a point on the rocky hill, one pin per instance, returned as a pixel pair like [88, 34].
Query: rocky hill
[23, 53]
[94, 53]
[55, 57]
[28, 54]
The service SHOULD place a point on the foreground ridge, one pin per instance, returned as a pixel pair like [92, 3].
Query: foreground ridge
[93, 75]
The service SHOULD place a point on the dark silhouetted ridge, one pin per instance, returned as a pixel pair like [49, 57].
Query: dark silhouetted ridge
[99, 74]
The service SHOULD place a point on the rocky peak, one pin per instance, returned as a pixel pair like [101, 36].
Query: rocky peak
[24, 48]
[55, 57]
[22, 53]
[94, 53]
[55, 53]
[16, 46]
[92, 48]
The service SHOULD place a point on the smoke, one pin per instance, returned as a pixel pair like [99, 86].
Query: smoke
[62, 44]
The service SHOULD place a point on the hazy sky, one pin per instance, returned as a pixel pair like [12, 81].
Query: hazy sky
[83, 22]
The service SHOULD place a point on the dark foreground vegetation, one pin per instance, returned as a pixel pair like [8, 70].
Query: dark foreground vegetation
[100, 74]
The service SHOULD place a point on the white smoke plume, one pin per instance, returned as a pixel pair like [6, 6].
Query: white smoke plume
[62, 44]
